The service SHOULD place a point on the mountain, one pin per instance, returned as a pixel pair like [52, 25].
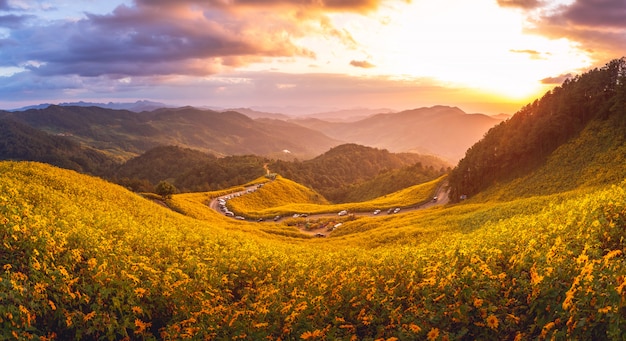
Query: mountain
[342, 169]
[137, 106]
[347, 115]
[21, 142]
[188, 170]
[440, 130]
[126, 134]
[338, 172]
[254, 114]
[573, 136]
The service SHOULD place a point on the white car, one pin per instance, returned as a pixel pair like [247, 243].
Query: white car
[376, 212]
[342, 213]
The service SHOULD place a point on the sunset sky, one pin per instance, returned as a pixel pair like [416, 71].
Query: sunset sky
[489, 56]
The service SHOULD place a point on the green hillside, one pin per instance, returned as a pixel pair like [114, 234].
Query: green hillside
[596, 157]
[127, 134]
[573, 135]
[284, 197]
[21, 142]
[85, 259]
[350, 171]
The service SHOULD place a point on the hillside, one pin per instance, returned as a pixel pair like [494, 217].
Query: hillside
[572, 136]
[344, 173]
[21, 142]
[343, 169]
[443, 131]
[83, 258]
[125, 134]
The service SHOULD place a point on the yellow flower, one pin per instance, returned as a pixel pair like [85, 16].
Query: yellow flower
[478, 302]
[492, 322]
[415, 328]
[433, 334]
[140, 292]
[546, 329]
[137, 310]
[141, 326]
[312, 335]
[89, 316]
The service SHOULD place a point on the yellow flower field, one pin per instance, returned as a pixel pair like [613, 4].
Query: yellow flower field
[85, 259]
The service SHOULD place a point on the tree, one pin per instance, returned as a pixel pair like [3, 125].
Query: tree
[165, 189]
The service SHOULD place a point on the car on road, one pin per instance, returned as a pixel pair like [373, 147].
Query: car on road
[435, 199]
[376, 212]
[396, 210]
[342, 213]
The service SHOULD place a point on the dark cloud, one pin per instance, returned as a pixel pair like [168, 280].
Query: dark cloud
[139, 41]
[4, 5]
[599, 26]
[362, 64]
[595, 13]
[13, 21]
[526, 4]
[556, 80]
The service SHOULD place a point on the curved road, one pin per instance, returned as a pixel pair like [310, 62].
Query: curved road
[441, 194]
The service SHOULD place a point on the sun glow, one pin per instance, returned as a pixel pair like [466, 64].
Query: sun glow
[473, 44]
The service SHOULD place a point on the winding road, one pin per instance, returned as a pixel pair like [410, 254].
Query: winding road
[441, 195]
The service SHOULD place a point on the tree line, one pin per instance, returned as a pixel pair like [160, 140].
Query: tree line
[522, 143]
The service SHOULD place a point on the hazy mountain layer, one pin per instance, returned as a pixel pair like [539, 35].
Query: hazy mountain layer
[440, 130]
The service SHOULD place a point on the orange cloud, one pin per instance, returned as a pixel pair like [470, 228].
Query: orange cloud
[362, 64]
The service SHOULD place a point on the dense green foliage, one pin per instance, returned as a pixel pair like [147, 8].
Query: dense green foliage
[389, 182]
[189, 170]
[84, 259]
[594, 158]
[339, 174]
[345, 173]
[523, 143]
[21, 142]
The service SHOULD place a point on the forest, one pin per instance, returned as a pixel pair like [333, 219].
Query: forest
[521, 144]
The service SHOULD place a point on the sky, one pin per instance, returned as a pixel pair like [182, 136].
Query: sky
[297, 56]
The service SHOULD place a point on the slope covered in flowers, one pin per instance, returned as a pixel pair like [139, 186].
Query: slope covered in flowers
[84, 259]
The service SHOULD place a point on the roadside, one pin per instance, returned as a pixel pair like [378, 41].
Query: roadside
[440, 197]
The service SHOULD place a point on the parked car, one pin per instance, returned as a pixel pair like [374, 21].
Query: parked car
[376, 212]
[396, 210]
[342, 213]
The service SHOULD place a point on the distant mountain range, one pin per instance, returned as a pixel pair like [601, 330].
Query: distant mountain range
[126, 134]
[137, 106]
[442, 131]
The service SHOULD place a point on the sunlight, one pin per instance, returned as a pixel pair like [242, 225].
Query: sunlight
[490, 52]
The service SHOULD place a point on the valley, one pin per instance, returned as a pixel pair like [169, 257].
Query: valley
[109, 235]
